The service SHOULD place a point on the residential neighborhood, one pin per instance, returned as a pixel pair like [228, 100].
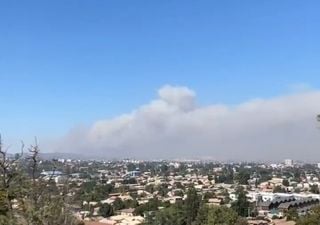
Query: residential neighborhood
[133, 192]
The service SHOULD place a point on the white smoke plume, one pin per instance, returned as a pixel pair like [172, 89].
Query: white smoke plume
[175, 126]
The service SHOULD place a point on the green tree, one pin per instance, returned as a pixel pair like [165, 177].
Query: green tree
[208, 195]
[192, 204]
[150, 206]
[314, 189]
[285, 183]
[313, 218]
[170, 216]
[292, 214]
[218, 215]
[163, 189]
[106, 210]
[130, 203]
[164, 169]
[131, 167]
[279, 189]
[202, 216]
[226, 176]
[3, 204]
[178, 193]
[150, 188]
[221, 215]
[243, 176]
[118, 204]
[241, 205]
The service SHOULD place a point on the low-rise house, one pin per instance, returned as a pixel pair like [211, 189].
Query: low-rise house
[123, 220]
[214, 201]
[126, 212]
[258, 222]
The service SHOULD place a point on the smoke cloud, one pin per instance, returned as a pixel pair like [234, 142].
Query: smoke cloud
[175, 126]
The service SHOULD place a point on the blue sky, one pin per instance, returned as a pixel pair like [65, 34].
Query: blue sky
[64, 63]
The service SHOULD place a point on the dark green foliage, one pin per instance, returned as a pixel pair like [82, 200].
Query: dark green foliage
[179, 193]
[202, 216]
[130, 204]
[91, 191]
[243, 176]
[179, 185]
[208, 195]
[162, 189]
[264, 175]
[4, 208]
[152, 205]
[292, 214]
[118, 204]
[150, 188]
[164, 169]
[314, 189]
[131, 167]
[221, 215]
[175, 215]
[226, 176]
[241, 205]
[191, 206]
[313, 218]
[131, 180]
[279, 189]
[170, 216]
[106, 210]
[285, 183]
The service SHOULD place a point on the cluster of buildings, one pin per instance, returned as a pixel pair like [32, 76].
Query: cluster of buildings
[168, 182]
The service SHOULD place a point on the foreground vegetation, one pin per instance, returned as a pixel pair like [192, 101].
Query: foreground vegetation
[25, 198]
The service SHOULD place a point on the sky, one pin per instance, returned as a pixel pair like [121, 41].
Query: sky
[108, 72]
